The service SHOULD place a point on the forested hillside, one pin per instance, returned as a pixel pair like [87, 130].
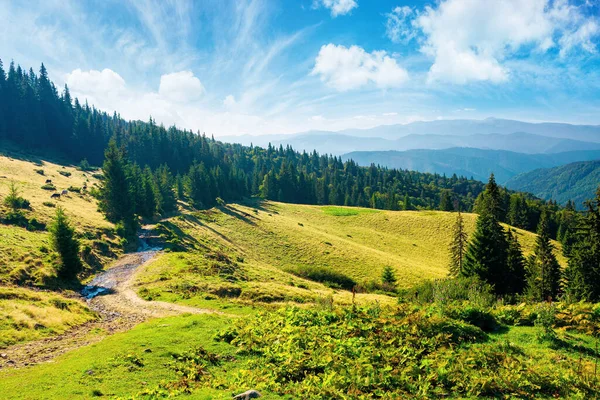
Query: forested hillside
[35, 114]
[575, 181]
[471, 162]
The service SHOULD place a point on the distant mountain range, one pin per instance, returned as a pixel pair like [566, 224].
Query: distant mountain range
[576, 181]
[519, 153]
[469, 162]
[492, 134]
[467, 127]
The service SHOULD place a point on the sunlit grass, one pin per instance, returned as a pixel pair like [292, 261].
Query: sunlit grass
[26, 314]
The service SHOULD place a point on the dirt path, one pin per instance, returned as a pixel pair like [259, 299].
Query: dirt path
[119, 307]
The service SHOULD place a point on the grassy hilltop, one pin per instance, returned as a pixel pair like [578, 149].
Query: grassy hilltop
[272, 244]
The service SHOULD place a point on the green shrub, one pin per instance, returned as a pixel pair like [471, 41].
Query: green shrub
[49, 186]
[65, 173]
[478, 317]
[39, 171]
[34, 225]
[84, 165]
[546, 317]
[448, 290]
[517, 315]
[14, 199]
[74, 189]
[49, 204]
[324, 275]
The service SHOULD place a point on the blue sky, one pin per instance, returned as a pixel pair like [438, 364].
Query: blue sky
[267, 66]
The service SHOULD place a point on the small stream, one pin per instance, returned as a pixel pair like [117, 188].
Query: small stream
[106, 281]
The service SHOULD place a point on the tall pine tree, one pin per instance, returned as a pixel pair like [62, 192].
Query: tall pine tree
[583, 271]
[515, 263]
[543, 275]
[458, 246]
[487, 253]
[66, 245]
[116, 200]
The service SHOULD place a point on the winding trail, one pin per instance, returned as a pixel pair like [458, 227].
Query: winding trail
[111, 295]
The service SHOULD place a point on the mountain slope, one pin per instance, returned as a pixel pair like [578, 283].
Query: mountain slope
[466, 127]
[340, 143]
[478, 163]
[576, 181]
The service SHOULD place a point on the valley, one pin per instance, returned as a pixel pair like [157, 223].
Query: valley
[217, 268]
[314, 199]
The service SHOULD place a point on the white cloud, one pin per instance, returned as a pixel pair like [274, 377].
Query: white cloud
[398, 26]
[317, 118]
[337, 7]
[347, 68]
[229, 101]
[93, 81]
[181, 87]
[470, 40]
[582, 36]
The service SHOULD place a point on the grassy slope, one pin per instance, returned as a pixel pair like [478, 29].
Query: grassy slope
[21, 251]
[25, 257]
[272, 237]
[27, 315]
[106, 367]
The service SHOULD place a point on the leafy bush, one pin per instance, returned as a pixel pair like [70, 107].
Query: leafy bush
[546, 317]
[14, 199]
[65, 173]
[517, 315]
[478, 317]
[84, 165]
[446, 291]
[49, 186]
[323, 275]
[74, 189]
[39, 171]
[49, 204]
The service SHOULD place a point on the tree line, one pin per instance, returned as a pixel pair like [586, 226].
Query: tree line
[35, 114]
[493, 253]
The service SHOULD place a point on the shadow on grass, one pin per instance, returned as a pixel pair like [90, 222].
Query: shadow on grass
[244, 217]
[188, 241]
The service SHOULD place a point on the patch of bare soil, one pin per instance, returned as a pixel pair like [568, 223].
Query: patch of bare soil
[119, 309]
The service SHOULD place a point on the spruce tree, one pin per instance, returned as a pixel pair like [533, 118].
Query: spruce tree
[515, 264]
[543, 275]
[115, 193]
[66, 245]
[458, 246]
[406, 202]
[388, 277]
[166, 192]
[487, 252]
[583, 271]
[446, 201]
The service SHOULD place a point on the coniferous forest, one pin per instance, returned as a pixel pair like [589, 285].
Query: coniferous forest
[34, 113]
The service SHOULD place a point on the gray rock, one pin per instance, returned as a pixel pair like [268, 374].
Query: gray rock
[250, 394]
